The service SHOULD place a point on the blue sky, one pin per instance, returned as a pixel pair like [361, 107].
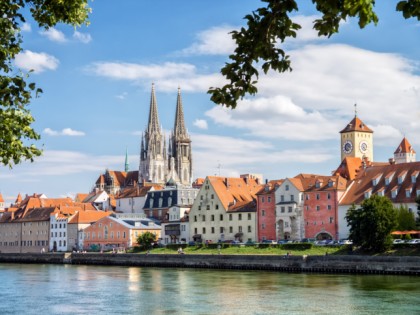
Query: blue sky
[97, 81]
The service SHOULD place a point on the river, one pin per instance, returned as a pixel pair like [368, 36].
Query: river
[67, 289]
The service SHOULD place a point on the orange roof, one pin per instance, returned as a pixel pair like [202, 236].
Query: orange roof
[80, 197]
[232, 190]
[364, 182]
[356, 125]
[1, 198]
[89, 216]
[404, 147]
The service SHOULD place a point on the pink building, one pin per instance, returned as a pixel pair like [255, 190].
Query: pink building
[266, 211]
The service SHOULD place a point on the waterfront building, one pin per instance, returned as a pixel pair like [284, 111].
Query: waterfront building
[132, 199]
[118, 231]
[1, 204]
[320, 206]
[266, 211]
[175, 228]
[99, 199]
[225, 209]
[158, 202]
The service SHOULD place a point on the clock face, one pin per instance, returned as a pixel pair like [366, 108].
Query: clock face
[363, 146]
[347, 147]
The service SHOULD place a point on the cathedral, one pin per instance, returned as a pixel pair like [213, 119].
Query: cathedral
[159, 163]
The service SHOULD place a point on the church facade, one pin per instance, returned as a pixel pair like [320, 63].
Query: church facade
[160, 164]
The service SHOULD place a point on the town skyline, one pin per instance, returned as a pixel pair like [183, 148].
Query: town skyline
[97, 92]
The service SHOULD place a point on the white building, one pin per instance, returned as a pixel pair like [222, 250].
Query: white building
[175, 229]
[132, 200]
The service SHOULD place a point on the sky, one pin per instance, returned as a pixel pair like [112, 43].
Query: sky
[97, 82]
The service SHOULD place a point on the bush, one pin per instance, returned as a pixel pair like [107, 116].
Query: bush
[296, 246]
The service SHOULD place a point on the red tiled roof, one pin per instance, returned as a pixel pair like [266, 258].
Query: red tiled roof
[404, 147]
[356, 125]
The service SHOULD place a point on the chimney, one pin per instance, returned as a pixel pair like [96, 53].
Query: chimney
[391, 161]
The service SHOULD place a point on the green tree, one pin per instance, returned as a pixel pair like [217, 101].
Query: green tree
[371, 223]
[418, 211]
[258, 44]
[406, 220]
[146, 240]
[15, 91]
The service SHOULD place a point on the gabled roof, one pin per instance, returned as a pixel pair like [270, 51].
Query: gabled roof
[404, 147]
[363, 182]
[235, 193]
[138, 191]
[89, 216]
[356, 125]
[270, 187]
[37, 214]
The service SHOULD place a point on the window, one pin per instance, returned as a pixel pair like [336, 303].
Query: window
[221, 217]
[249, 228]
[195, 218]
[123, 234]
[230, 217]
[328, 207]
[240, 229]
[286, 224]
[317, 196]
[204, 218]
[212, 196]
[290, 209]
[195, 230]
[329, 196]
[263, 213]
[212, 230]
[249, 216]
[217, 207]
[212, 217]
[287, 187]
[268, 199]
[282, 209]
[221, 230]
[199, 207]
[318, 208]
[208, 207]
[263, 226]
[331, 219]
[282, 198]
[230, 229]
[204, 230]
[292, 198]
[262, 199]
[307, 196]
[307, 208]
[240, 216]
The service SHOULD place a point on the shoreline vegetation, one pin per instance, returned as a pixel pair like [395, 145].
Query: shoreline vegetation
[281, 250]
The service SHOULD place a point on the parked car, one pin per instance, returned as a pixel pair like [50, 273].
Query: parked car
[281, 241]
[414, 241]
[398, 241]
[308, 240]
[249, 243]
[345, 242]
[269, 242]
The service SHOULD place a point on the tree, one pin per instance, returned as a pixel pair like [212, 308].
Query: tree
[371, 223]
[257, 45]
[15, 91]
[418, 211]
[406, 220]
[146, 240]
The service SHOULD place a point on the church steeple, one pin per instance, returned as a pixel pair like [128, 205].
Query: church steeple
[126, 165]
[179, 127]
[153, 125]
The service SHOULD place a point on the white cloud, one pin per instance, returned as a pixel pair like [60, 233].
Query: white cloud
[54, 35]
[64, 132]
[82, 37]
[39, 62]
[214, 41]
[239, 155]
[200, 123]
[122, 96]
[26, 27]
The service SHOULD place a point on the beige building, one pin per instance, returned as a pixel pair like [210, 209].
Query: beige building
[225, 209]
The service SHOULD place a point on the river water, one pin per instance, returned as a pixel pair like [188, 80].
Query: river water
[67, 289]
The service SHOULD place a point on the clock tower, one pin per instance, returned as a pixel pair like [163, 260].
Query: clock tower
[356, 140]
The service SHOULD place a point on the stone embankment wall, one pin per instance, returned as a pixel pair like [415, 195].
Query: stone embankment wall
[318, 264]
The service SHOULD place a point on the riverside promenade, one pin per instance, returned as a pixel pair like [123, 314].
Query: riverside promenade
[353, 264]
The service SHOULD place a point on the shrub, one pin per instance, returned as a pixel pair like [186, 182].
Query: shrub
[296, 246]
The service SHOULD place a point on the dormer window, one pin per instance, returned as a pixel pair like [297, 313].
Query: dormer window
[408, 192]
[330, 183]
[401, 178]
[394, 192]
[368, 193]
[388, 178]
[381, 192]
[414, 177]
[317, 184]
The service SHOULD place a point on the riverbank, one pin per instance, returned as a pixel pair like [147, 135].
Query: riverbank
[353, 264]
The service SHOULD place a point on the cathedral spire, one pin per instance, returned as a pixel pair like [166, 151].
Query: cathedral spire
[153, 125]
[179, 126]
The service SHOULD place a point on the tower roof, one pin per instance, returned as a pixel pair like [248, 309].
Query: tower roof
[404, 147]
[356, 125]
[179, 126]
[153, 125]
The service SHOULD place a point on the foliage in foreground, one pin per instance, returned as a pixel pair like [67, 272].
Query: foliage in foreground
[372, 223]
[258, 45]
[15, 91]
[146, 240]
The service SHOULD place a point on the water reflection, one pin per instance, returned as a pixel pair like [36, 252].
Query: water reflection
[56, 289]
